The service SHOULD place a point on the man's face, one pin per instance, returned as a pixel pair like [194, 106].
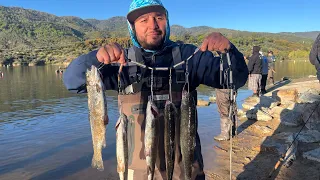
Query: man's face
[150, 30]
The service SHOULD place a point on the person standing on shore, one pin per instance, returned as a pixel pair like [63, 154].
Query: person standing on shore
[255, 71]
[271, 66]
[265, 69]
[314, 55]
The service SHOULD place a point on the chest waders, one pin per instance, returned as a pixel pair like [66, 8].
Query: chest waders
[226, 80]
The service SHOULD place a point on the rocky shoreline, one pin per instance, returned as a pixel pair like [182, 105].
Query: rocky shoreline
[268, 126]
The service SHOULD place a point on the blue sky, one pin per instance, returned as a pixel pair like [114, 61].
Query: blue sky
[247, 15]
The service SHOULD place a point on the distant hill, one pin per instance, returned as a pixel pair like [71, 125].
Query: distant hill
[312, 34]
[26, 29]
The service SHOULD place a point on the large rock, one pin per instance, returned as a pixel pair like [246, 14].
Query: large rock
[269, 102]
[274, 104]
[259, 115]
[286, 137]
[292, 118]
[312, 155]
[311, 96]
[310, 136]
[203, 103]
[277, 111]
[311, 115]
[251, 103]
[212, 99]
[257, 102]
[286, 96]
[271, 145]
[240, 112]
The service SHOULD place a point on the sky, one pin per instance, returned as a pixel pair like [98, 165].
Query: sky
[246, 15]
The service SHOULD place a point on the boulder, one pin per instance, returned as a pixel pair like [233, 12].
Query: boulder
[240, 112]
[286, 96]
[259, 115]
[270, 145]
[284, 136]
[269, 102]
[277, 111]
[251, 103]
[292, 119]
[310, 136]
[312, 155]
[311, 114]
[212, 99]
[203, 103]
[310, 96]
[274, 104]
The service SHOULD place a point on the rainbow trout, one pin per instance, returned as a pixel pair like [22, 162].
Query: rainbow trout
[187, 132]
[170, 116]
[150, 140]
[98, 115]
[122, 147]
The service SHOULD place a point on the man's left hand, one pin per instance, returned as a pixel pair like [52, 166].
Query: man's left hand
[215, 42]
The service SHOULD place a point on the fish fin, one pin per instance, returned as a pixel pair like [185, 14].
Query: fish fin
[150, 173]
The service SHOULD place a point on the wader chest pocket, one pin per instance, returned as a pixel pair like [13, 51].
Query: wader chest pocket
[180, 76]
[134, 74]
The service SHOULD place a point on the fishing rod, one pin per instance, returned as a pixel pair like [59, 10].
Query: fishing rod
[282, 158]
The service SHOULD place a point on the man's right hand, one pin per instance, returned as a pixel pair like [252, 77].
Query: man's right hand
[111, 53]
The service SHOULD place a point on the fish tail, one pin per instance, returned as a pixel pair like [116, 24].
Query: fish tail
[97, 163]
[150, 173]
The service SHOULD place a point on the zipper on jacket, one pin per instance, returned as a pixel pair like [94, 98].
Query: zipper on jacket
[153, 58]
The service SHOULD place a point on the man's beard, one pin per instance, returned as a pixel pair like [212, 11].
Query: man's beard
[154, 46]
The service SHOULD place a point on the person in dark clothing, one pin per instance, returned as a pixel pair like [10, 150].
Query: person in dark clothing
[265, 70]
[314, 55]
[271, 67]
[149, 29]
[255, 71]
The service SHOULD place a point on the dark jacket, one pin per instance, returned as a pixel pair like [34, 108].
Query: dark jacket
[203, 68]
[314, 56]
[255, 62]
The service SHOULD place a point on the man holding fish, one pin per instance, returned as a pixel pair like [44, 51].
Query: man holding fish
[157, 92]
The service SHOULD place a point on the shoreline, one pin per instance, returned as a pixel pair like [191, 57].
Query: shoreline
[267, 127]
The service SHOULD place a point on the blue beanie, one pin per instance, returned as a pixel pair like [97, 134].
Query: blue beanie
[139, 7]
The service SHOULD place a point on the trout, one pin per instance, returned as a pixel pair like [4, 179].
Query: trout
[170, 116]
[150, 140]
[122, 147]
[187, 132]
[98, 115]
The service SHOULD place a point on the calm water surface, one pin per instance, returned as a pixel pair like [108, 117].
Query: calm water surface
[45, 132]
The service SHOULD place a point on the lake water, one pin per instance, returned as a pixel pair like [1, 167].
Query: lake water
[45, 132]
